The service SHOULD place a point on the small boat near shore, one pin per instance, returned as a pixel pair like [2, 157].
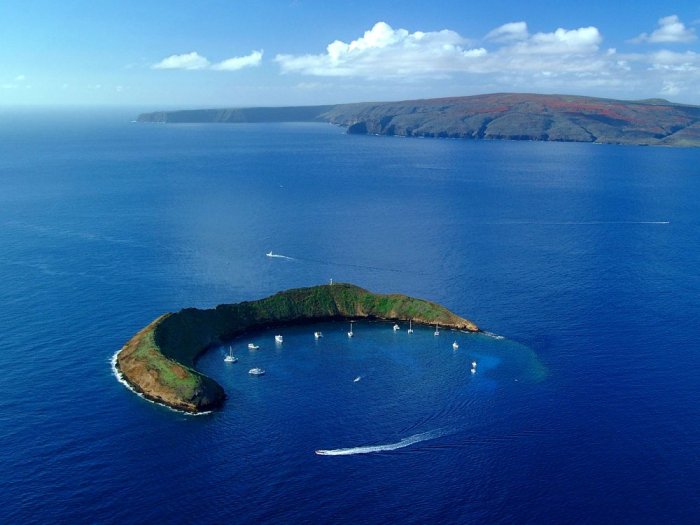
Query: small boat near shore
[396, 328]
[350, 333]
[410, 326]
[437, 330]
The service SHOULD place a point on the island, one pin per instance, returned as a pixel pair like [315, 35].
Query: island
[497, 116]
[158, 362]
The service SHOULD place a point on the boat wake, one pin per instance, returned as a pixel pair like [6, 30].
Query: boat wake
[406, 442]
[493, 336]
[278, 256]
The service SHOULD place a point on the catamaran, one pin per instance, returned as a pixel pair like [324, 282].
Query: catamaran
[230, 358]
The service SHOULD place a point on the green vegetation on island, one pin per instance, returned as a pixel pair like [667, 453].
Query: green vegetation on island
[158, 361]
[511, 116]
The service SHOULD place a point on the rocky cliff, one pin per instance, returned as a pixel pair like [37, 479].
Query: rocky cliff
[513, 116]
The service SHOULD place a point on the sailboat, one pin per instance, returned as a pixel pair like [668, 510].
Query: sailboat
[230, 358]
[455, 346]
[350, 334]
[437, 330]
[410, 326]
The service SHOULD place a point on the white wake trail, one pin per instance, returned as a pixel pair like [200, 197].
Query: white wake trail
[406, 442]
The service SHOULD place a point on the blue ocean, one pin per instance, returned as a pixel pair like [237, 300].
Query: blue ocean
[579, 260]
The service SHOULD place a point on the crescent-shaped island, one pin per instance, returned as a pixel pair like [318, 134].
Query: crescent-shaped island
[158, 362]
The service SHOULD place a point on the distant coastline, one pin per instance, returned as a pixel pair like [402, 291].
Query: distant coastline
[158, 362]
[509, 116]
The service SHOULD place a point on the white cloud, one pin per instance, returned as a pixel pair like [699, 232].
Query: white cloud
[509, 32]
[236, 63]
[672, 61]
[195, 61]
[191, 60]
[386, 52]
[670, 30]
[670, 88]
[582, 40]
[20, 78]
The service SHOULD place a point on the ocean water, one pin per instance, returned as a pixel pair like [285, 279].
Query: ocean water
[584, 258]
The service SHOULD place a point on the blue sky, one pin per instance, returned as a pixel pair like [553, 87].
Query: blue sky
[174, 53]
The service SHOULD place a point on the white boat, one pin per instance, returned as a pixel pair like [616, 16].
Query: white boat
[256, 371]
[318, 335]
[270, 254]
[455, 345]
[473, 370]
[230, 358]
[357, 379]
[252, 346]
[350, 334]
[396, 327]
[473, 364]
[279, 339]
[410, 326]
[437, 330]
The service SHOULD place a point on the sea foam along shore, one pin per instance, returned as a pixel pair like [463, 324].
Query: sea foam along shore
[120, 377]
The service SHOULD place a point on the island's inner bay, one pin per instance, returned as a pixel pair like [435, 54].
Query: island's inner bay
[346, 392]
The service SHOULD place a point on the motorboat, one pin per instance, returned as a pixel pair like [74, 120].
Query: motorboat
[252, 346]
[396, 327]
[455, 346]
[318, 335]
[270, 254]
[279, 339]
[256, 371]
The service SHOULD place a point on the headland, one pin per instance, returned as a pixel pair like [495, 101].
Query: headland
[496, 116]
[158, 362]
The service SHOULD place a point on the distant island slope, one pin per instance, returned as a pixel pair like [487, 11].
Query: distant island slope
[158, 361]
[514, 116]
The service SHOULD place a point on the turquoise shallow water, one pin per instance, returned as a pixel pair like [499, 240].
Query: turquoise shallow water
[584, 257]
